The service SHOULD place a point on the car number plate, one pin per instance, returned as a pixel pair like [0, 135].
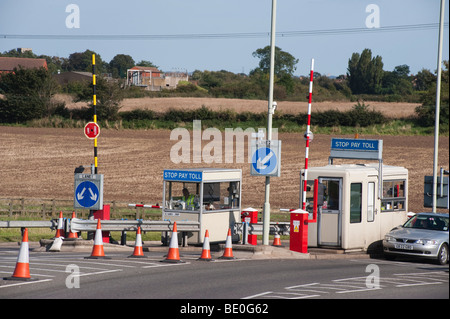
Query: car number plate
[404, 246]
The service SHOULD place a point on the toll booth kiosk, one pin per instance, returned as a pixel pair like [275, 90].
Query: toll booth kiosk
[361, 202]
[354, 215]
[210, 196]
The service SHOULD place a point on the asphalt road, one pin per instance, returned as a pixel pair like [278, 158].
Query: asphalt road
[241, 280]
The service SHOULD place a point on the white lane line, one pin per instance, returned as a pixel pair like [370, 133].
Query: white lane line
[25, 283]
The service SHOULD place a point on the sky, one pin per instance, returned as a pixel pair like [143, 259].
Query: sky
[180, 35]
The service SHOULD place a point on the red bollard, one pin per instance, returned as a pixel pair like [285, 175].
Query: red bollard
[299, 231]
[103, 214]
[250, 216]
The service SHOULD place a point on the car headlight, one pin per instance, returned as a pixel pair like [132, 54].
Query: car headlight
[427, 242]
[389, 238]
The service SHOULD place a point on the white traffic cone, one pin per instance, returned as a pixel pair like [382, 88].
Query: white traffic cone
[174, 254]
[138, 251]
[22, 270]
[60, 229]
[206, 251]
[97, 250]
[228, 253]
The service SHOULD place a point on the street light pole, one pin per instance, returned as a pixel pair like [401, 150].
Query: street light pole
[271, 109]
[438, 103]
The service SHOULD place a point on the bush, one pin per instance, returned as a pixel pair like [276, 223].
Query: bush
[358, 116]
[28, 95]
[19, 109]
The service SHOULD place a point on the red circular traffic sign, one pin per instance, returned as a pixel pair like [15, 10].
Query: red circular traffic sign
[91, 130]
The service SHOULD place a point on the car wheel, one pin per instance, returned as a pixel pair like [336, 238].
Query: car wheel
[442, 257]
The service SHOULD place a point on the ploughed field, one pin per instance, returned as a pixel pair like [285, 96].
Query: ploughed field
[40, 162]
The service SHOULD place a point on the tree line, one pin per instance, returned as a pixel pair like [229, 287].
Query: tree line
[27, 93]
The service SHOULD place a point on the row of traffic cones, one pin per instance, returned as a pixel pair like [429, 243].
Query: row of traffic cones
[22, 269]
[174, 255]
[60, 233]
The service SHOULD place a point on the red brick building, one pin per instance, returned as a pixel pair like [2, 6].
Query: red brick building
[7, 64]
[148, 77]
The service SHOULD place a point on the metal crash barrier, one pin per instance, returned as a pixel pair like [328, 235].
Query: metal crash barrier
[77, 224]
[183, 227]
[276, 228]
[52, 224]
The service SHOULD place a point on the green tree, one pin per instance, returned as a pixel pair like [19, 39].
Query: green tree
[398, 81]
[109, 97]
[147, 64]
[120, 64]
[285, 63]
[284, 68]
[364, 73]
[82, 61]
[424, 79]
[28, 94]
[426, 112]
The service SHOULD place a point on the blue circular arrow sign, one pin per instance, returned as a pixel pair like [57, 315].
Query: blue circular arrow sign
[87, 194]
[264, 161]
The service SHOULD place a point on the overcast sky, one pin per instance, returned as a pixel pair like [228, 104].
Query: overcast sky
[223, 34]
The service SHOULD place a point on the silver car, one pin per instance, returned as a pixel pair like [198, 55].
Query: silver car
[424, 235]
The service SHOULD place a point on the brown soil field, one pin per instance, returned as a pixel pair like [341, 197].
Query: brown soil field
[162, 104]
[40, 162]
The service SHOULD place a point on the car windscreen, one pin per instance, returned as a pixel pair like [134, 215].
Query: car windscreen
[439, 223]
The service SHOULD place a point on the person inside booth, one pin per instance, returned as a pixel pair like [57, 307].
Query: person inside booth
[190, 201]
[182, 196]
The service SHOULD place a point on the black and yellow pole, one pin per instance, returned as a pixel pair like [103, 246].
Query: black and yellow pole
[95, 112]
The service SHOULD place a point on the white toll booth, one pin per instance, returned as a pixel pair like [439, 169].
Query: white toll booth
[210, 196]
[361, 202]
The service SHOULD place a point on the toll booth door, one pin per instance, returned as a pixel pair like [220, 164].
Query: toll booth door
[329, 221]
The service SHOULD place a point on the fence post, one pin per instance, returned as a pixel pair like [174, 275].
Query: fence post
[113, 207]
[22, 210]
[53, 207]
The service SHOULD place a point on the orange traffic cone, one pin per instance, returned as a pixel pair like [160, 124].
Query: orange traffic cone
[174, 254]
[138, 251]
[206, 251]
[60, 229]
[22, 270]
[73, 234]
[228, 253]
[277, 241]
[97, 250]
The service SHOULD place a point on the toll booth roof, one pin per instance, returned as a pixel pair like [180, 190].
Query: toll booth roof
[203, 174]
[369, 167]
[206, 169]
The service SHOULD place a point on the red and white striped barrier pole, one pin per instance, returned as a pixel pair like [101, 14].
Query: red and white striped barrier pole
[308, 134]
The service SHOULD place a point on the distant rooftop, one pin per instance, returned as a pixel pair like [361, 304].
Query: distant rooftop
[7, 64]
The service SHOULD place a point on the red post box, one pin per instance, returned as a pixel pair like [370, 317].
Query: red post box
[299, 231]
[250, 216]
[103, 214]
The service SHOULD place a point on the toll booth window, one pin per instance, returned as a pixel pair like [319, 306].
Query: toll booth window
[394, 195]
[331, 195]
[355, 202]
[183, 196]
[218, 196]
[309, 196]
